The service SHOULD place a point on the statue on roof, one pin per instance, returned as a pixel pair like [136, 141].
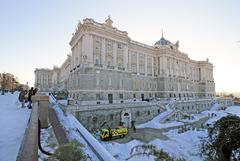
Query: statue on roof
[109, 22]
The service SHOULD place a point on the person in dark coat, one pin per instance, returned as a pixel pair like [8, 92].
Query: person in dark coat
[21, 97]
[35, 91]
[30, 93]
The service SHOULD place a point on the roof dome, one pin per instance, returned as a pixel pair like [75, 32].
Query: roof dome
[163, 41]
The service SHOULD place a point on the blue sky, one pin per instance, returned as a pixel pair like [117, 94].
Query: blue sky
[36, 33]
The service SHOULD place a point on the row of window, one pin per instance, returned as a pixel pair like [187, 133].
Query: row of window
[150, 95]
[173, 95]
[192, 107]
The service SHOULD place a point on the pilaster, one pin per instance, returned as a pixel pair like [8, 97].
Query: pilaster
[115, 54]
[103, 53]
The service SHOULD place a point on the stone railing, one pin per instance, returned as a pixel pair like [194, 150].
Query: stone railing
[29, 147]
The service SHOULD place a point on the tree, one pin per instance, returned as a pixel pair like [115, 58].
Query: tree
[223, 142]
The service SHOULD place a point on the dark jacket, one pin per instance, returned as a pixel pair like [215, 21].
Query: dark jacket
[30, 93]
[21, 96]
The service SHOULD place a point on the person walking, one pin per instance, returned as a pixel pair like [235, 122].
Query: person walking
[30, 93]
[21, 97]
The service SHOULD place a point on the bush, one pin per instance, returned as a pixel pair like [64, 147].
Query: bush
[163, 156]
[67, 152]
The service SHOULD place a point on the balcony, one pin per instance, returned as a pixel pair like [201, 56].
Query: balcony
[121, 68]
[98, 65]
[110, 67]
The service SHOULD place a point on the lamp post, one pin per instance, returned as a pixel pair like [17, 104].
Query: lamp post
[3, 84]
[12, 83]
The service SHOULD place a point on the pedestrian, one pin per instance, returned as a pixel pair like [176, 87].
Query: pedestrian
[133, 126]
[21, 97]
[30, 93]
[35, 91]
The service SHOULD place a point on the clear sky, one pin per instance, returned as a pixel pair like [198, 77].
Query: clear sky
[36, 33]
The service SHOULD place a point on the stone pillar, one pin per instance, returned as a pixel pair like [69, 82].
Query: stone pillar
[42, 102]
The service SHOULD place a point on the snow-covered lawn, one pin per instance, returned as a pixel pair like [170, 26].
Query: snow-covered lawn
[13, 122]
[184, 145]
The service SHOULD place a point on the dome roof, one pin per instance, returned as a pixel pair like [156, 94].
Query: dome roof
[163, 41]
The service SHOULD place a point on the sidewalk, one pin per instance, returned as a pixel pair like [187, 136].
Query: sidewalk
[13, 122]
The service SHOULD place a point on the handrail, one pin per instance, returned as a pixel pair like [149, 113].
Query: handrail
[29, 147]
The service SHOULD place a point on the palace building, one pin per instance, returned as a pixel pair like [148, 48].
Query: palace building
[106, 66]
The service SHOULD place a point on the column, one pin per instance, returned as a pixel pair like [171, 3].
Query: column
[164, 60]
[152, 66]
[145, 64]
[129, 61]
[138, 63]
[103, 53]
[125, 57]
[83, 49]
[90, 49]
[80, 52]
[114, 54]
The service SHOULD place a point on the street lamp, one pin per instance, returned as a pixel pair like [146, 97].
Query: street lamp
[12, 83]
[3, 84]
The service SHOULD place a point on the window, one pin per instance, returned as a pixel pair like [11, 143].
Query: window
[96, 61]
[137, 113]
[97, 81]
[121, 96]
[134, 95]
[111, 117]
[97, 96]
[109, 81]
[119, 46]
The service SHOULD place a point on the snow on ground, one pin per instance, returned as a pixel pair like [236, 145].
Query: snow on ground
[180, 145]
[63, 102]
[185, 145]
[155, 122]
[13, 122]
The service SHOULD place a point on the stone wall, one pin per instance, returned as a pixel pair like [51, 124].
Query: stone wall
[94, 117]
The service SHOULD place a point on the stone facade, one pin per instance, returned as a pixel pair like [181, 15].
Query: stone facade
[55, 79]
[108, 67]
[43, 79]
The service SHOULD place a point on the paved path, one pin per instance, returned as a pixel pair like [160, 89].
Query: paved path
[13, 122]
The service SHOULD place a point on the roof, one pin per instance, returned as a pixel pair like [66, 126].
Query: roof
[163, 41]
